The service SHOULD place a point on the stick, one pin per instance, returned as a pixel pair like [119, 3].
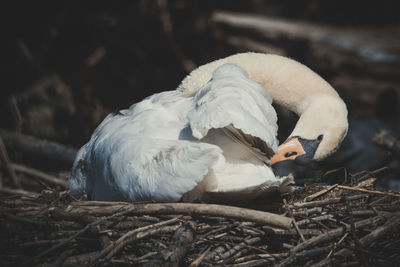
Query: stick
[12, 217]
[40, 147]
[320, 193]
[40, 175]
[18, 192]
[332, 234]
[259, 217]
[270, 257]
[178, 248]
[197, 261]
[315, 219]
[6, 161]
[16, 113]
[293, 220]
[140, 236]
[391, 224]
[239, 247]
[306, 253]
[324, 202]
[113, 248]
[59, 245]
[307, 212]
[368, 191]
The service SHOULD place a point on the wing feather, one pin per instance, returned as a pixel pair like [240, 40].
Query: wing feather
[240, 106]
[148, 169]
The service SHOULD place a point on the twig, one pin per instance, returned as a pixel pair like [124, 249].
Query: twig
[16, 113]
[18, 192]
[139, 236]
[332, 234]
[271, 257]
[40, 243]
[293, 220]
[244, 214]
[379, 200]
[324, 202]
[259, 262]
[221, 251]
[352, 225]
[6, 161]
[178, 248]
[131, 235]
[335, 245]
[308, 212]
[238, 247]
[320, 193]
[79, 260]
[19, 219]
[59, 245]
[306, 253]
[391, 224]
[368, 191]
[33, 145]
[222, 228]
[63, 256]
[279, 232]
[40, 175]
[315, 219]
[197, 261]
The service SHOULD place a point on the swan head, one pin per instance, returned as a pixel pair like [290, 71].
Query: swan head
[319, 131]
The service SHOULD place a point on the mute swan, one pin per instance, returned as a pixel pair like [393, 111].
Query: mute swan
[214, 134]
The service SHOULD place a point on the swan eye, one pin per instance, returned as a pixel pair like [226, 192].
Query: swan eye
[320, 137]
[289, 154]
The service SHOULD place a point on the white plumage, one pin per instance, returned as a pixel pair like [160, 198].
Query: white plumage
[180, 144]
[213, 136]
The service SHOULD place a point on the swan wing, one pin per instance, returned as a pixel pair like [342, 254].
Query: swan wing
[146, 169]
[240, 107]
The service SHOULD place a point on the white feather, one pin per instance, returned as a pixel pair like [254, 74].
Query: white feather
[175, 143]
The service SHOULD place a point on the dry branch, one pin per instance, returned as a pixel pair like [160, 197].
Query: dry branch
[320, 193]
[63, 243]
[368, 191]
[178, 248]
[130, 236]
[40, 147]
[390, 225]
[6, 161]
[52, 228]
[324, 202]
[260, 217]
[355, 40]
[334, 234]
[40, 175]
[18, 192]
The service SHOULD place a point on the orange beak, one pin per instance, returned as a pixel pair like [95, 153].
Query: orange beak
[288, 151]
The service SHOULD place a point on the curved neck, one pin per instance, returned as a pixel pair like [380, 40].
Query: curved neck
[288, 83]
[293, 86]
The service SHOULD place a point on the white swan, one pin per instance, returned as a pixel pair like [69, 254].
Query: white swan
[213, 135]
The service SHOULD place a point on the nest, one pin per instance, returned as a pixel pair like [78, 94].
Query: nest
[318, 225]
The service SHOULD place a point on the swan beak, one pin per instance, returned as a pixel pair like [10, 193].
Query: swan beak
[289, 150]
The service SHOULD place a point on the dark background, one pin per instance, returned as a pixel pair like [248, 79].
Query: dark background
[70, 63]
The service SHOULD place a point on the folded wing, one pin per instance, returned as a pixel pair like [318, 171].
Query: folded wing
[238, 106]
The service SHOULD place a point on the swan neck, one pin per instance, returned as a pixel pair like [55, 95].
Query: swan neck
[288, 82]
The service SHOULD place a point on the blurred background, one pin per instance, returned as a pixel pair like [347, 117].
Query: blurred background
[70, 63]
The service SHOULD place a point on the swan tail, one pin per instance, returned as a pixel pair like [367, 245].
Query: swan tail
[77, 181]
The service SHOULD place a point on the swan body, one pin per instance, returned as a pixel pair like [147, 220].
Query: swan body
[215, 134]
